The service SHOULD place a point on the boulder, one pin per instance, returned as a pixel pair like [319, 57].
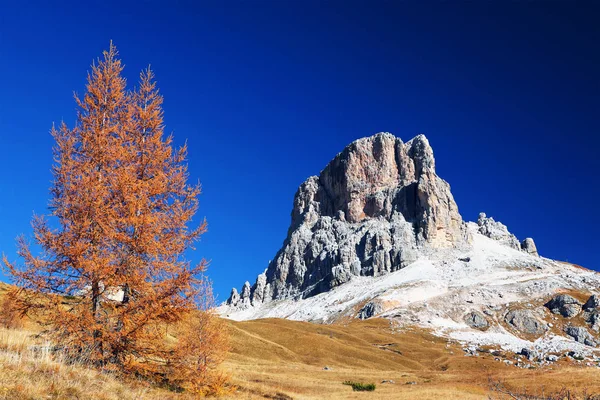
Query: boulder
[476, 320]
[525, 322]
[565, 305]
[581, 335]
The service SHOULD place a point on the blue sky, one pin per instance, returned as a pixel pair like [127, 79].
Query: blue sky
[266, 93]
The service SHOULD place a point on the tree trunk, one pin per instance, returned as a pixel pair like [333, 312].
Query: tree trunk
[97, 335]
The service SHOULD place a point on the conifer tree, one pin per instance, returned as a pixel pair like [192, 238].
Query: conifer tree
[111, 277]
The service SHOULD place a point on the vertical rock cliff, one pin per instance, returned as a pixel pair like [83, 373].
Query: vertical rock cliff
[368, 213]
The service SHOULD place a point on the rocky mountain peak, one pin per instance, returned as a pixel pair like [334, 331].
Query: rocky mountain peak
[367, 213]
[378, 234]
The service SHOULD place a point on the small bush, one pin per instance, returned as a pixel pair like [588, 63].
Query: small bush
[361, 387]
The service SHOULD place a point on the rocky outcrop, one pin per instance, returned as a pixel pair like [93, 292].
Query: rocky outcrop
[497, 231]
[370, 310]
[565, 305]
[244, 298]
[369, 212]
[234, 297]
[528, 246]
[525, 322]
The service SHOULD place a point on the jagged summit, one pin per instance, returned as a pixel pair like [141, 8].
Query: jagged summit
[366, 213]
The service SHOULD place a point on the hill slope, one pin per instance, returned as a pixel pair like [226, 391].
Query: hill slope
[284, 359]
[275, 358]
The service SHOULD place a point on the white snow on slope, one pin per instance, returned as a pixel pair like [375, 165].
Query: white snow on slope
[439, 289]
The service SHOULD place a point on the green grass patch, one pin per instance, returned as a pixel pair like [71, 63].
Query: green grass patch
[361, 387]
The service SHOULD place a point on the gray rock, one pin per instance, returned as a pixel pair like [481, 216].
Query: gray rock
[581, 335]
[565, 305]
[370, 309]
[592, 317]
[524, 321]
[528, 246]
[497, 231]
[245, 296]
[476, 320]
[234, 297]
[259, 289]
[370, 212]
[592, 303]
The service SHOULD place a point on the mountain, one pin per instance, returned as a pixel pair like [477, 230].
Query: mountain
[378, 234]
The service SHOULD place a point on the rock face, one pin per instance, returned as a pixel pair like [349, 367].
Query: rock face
[367, 214]
[565, 305]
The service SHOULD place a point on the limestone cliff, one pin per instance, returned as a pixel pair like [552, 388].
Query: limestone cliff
[368, 212]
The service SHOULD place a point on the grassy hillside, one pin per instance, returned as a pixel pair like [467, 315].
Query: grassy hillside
[281, 359]
[286, 358]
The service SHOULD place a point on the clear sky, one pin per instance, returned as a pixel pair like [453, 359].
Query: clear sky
[266, 93]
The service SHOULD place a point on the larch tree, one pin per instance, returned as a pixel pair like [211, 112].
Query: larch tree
[112, 279]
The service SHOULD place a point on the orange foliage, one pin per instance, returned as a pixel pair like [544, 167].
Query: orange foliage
[124, 207]
[10, 312]
[199, 347]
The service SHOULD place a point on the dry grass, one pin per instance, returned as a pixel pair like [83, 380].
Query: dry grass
[29, 370]
[285, 359]
[281, 359]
